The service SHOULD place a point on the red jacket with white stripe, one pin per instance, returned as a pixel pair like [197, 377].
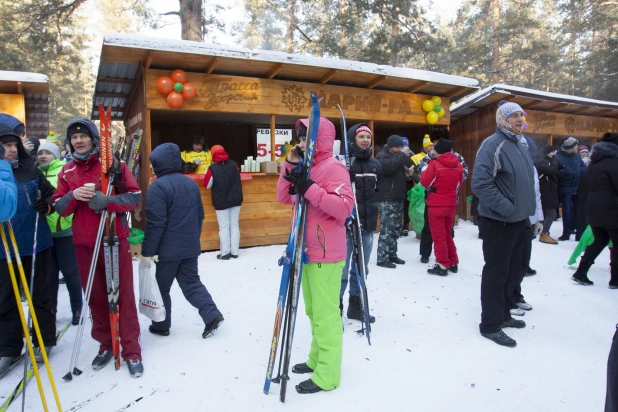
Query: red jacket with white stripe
[442, 178]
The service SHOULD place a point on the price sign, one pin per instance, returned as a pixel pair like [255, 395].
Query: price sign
[263, 142]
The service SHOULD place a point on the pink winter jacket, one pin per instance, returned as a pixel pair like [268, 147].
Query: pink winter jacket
[330, 199]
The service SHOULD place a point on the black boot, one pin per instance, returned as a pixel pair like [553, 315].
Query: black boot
[396, 260]
[160, 332]
[307, 387]
[301, 368]
[76, 315]
[102, 359]
[581, 274]
[453, 269]
[501, 338]
[355, 310]
[212, 327]
[437, 270]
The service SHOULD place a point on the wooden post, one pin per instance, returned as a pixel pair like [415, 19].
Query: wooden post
[373, 146]
[146, 148]
[272, 138]
[550, 139]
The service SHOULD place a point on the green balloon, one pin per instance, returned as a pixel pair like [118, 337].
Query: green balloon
[436, 109]
[178, 87]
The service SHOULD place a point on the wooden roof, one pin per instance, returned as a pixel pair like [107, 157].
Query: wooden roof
[122, 54]
[533, 99]
[35, 88]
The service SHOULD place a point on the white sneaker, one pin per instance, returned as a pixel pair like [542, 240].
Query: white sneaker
[517, 312]
[524, 306]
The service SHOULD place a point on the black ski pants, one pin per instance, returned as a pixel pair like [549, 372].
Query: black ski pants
[185, 271]
[602, 236]
[426, 239]
[503, 253]
[65, 261]
[516, 296]
[11, 332]
[611, 396]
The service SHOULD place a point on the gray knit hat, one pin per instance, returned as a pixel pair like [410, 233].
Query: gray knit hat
[394, 141]
[570, 143]
[50, 147]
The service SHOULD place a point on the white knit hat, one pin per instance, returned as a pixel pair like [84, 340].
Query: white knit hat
[50, 147]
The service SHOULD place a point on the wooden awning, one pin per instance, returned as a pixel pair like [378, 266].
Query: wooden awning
[35, 89]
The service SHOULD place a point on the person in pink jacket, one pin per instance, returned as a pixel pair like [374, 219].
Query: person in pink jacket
[330, 202]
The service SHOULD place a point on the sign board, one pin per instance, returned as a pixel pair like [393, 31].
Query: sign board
[233, 94]
[564, 124]
[14, 105]
[263, 142]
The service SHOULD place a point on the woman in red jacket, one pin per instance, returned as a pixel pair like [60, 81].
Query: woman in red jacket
[441, 181]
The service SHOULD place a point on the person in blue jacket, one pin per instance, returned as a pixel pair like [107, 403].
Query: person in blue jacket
[569, 175]
[8, 190]
[34, 194]
[174, 216]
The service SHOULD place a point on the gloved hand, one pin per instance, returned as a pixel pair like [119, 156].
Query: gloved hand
[197, 161]
[302, 185]
[291, 177]
[98, 202]
[41, 206]
[538, 228]
[147, 260]
[28, 145]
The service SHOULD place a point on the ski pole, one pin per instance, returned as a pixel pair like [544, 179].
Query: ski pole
[36, 230]
[20, 309]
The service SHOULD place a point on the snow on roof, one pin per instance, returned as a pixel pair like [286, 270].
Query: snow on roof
[529, 93]
[9, 76]
[210, 49]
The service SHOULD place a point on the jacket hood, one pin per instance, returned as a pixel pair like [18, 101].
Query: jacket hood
[23, 156]
[220, 156]
[94, 132]
[165, 159]
[356, 151]
[448, 160]
[603, 150]
[543, 151]
[325, 140]
[12, 122]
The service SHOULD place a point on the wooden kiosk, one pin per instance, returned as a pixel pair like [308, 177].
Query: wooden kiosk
[551, 118]
[26, 97]
[248, 101]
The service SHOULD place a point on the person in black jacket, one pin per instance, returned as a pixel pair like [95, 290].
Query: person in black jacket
[365, 172]
[174, 216]
[396, 166]
[224, 179]
[547, 168]
[602, 208]
[611, 393]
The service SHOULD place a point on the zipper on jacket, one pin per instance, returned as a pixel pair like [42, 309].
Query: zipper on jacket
[317, 235]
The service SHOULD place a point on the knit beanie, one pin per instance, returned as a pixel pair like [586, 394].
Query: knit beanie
[583, 149]
[443, 146]
[50, 147]
[215, 149]
[405, 140]
[427, 141]
[610, 138]
[570, 143]
[394, 141]
[78, 127]
[52, 138]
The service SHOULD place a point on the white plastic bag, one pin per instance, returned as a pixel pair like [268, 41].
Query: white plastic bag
[150, 300]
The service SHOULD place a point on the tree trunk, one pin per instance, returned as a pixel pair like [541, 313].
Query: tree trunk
[344, 32]
[191, 20]
[394, 48]
[289, 36]
[495, 11]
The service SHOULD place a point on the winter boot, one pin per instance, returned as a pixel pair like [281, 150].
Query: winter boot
[424, 259]
[524, 305]
[38, 355]
[224, 257]
[517, 312]
[514, 323]
[7, 363]
[160, 332]
[301, 368]
[530, 272]
[437, 269]
[102, 359]
[581, 274]
[501, 338]
[545, 238]
[212, 327]
[453, 269]
[388, 265]
[564, 237]
[136, 369]
[355, 310]
[308, 386]
[396, 260]
[75, 319]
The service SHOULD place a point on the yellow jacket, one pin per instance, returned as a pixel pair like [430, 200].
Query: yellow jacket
[189, 156]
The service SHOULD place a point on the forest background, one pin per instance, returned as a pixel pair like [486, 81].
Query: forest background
[563, 46]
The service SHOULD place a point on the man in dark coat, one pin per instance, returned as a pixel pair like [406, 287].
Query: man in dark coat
[34, 194]
[569, 174]
[365, 172]
[174, 216]
[547, 168]
[391, 196]
[602, 208]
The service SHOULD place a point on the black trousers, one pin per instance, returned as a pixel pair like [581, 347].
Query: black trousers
[426, 239]
[516, 296]
[503, 253]
[11, 332]
[65, 261]
[406, 216]
[602, 236]
[611, 397]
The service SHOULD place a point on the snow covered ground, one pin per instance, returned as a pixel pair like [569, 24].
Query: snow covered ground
[426, 353]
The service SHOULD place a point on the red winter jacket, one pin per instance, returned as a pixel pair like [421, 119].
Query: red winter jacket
[86, 221]
[442, 178]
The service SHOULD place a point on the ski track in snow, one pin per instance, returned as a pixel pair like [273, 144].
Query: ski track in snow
[426, 353]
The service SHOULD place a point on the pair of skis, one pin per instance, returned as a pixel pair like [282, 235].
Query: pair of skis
[106, 233]
[355, 230]
[292, 262]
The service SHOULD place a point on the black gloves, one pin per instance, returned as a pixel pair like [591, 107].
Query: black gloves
[41, 206]
[299, 185]
[302, 185]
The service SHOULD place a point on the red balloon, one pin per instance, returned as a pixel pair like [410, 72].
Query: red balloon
[174, 100]
[189, 91]
[165, 85]
[179, 76]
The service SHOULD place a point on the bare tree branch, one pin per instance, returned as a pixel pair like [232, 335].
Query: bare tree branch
[288, 18]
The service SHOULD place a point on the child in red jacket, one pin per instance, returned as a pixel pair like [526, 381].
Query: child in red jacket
[441, 180]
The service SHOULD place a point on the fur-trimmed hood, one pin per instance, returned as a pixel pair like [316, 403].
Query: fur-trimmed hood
[603, 150]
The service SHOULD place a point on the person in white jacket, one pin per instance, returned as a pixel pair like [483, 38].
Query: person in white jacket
[518, 304]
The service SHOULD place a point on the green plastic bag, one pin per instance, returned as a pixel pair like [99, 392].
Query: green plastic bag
[416, 211]
[585, 241]
[136, 236]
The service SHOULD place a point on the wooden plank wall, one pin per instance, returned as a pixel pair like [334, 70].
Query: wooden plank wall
[468, 133]
[263, 220]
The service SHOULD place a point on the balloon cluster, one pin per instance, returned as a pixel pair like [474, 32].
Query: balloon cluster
[433, 109]
[525, 125]
[176, 88]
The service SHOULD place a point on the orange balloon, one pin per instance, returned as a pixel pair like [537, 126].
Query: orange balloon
[174, 100]
[179, 76]
[189, 91]
[165, 85]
